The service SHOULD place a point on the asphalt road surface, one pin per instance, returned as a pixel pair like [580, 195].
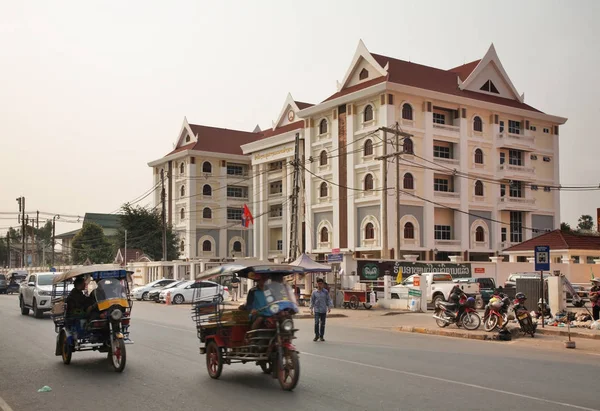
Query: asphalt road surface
[355, 369]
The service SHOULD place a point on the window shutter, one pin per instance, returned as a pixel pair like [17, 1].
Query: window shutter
[429, 107]
[391, 99]
[556, 130]
[382, 99]
[335, 114]
[223, 163]
[496, 118]
[464, 113]
[526, 124]
[193, 160]
[349, 109]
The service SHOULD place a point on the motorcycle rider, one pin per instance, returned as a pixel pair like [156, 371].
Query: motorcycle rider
[519, 303]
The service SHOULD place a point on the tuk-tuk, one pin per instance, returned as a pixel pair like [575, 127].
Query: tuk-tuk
[14, 281]
[103, 324]
[263, 336]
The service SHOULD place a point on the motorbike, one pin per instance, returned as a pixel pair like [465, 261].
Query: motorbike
[525, 321]
[462, 314]
[106, 328]
[228, 336]
[496, 313]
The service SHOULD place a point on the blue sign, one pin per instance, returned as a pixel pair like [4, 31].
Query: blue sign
[542, 258]
[53, 270]
[335, 258]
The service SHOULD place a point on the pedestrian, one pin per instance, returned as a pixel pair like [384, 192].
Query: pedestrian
[235, 284]
[595, 298]
[320, 305]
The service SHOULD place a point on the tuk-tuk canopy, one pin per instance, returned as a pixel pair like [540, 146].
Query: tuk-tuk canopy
[97, 271]
[247, 271]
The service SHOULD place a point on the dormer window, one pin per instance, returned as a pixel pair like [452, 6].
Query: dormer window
[323, 127]
[489, 87]
[368, 113]
[364, 73]
[187, 139]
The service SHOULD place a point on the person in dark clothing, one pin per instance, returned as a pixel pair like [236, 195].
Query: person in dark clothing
[595, 298]
[78, 304]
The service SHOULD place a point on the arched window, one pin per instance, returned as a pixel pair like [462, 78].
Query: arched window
[409, 181]
[407, 112]
[479, 234]
[408, 146]
[182, 246]
[477, 124]
[207, 246]
[364, 73]
[207, 213]
[323, 189]
[409, 231]
[237, 247]
[207, 190]
[368, 113]
[369, 231]
[323, 127]
[478, 156]
[182, 168]
[182, 191]
[206, 167]
[478, 188]
[182, 213]
[368, 182]
[368, 148]
[324, 234]
[323, 158]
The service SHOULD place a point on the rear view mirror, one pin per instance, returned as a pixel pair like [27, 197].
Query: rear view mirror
[31, 284]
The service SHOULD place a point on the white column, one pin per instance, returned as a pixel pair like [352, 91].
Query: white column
[191, 245]
[556, 193]
[334, 190]
[429, 209]
[262, 222]
[309, 189]
[494, 191]
[387, 118]
[351, 180]
[288, 171]
[528, 234]
[463, 231]
[256, 232]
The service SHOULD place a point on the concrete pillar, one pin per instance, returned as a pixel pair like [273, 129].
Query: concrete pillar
[566, 259]
[429, 209]
[309, 188]
[192, 271]
[411, 257]
[462, 232]
[456, 258]
[512, 258]
[557, 296]
[497, 260]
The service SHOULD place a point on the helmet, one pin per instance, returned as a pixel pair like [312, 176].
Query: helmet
[496, 304]
[470, 302]
[521, 297]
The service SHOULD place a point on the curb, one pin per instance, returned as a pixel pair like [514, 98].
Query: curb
[454, 333]
[550, 331]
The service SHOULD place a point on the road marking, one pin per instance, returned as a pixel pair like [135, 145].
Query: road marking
[4, 406]
[464, 384]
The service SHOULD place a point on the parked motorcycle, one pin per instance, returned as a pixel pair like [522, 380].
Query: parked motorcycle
[496, 313]
[462, 314]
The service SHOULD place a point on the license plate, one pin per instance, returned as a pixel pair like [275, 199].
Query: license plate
[522, 316]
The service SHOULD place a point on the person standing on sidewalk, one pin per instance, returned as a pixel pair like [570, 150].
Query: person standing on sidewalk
[320, 305]
[595, 298]
[235, 284]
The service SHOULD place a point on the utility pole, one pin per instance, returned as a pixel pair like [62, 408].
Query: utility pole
[25, 237]
[384, 225]
[54, 237]
[8, 244]
[396, 131]
[125, 256]
[163, 197]
[294, 211]
[34, 249]
[21, 201]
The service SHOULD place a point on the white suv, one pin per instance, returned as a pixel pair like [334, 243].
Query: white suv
[35, 293]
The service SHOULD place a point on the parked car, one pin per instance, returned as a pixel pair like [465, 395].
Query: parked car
[35, 294]
[14, 280]
[143, 292]
[187, 292]
[511, 282]
[487, 286]
[155, 293]
[439, 286]
[3, 284]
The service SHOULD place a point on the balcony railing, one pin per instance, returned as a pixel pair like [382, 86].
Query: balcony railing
[451, 161]
[522, 140]
[447, 242]
[446, 127]
[517, 169]
[516, 203]
[446, 194]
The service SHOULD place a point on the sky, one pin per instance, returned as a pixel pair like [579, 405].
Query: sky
[90, 92]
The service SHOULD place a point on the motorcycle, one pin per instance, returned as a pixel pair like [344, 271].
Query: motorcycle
[462, 314]
[496, 313]
[525, 321]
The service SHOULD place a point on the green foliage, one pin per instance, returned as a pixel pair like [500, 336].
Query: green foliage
[144, 232]
[91, 243]
[565, 227]
[585, 223]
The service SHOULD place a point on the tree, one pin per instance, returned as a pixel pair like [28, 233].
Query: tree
[586, 223]
[91, 243]
[144, 231]
[565, 227]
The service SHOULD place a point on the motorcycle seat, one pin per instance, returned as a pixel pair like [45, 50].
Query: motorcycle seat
[448, 305]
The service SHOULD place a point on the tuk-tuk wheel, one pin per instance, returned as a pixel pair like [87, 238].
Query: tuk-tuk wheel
[117, 355]
[288, 370]
[214, 360]
[354, 302]
[266, 366]
[67, 350]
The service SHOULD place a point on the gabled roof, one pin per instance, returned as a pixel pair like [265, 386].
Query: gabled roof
[218, 140]
[302, 105]
[356, 87]
[559, 240]
[133, 254]
[466, 69]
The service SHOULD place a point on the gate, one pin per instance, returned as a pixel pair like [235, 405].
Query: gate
[531, 288]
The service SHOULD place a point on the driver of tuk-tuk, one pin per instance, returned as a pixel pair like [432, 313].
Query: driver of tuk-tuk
[256, 301]
[77, 302]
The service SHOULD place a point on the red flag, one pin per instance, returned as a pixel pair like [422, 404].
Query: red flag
[247, 218]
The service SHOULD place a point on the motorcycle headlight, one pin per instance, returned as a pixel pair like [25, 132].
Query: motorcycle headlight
[116, 315]
[287, 325]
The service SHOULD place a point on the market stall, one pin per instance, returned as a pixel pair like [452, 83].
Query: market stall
[310, 267]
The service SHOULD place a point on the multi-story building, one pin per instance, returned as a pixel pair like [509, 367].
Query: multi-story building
[476, 176]
[207, 182]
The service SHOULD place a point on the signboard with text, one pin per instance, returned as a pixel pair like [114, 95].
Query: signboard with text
[374, 269]
[542, 258]
[335, 258]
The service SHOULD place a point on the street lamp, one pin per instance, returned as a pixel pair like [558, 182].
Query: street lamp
[56, 217]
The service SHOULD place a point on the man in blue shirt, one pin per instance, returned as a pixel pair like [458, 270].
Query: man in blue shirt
[320, 305]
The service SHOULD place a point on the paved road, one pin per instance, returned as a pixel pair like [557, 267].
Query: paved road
[356, 369]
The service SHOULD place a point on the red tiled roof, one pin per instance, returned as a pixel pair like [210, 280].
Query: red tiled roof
[280, 130]
[429, 78]
[466, 69]
[219, 140]
[560, 240]
[302, 105]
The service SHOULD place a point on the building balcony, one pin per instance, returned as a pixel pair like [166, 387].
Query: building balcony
[516, 203]
[449, 161]
[513, 172]
[447, 243]
[275, 252]
[518, 141]
[446, 130]
[447, 196]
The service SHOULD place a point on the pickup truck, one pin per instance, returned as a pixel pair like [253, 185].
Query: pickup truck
[35, 293]
[439, 286]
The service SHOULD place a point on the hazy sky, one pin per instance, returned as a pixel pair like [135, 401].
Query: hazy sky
[92, 91]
